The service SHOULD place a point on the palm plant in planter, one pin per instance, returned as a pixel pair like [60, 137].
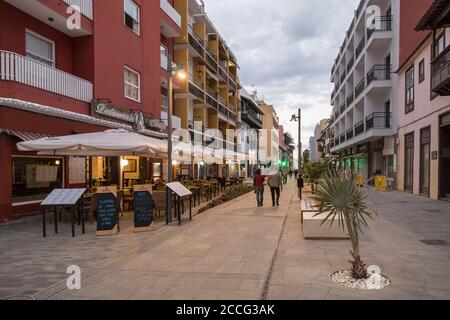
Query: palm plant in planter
[341, 199]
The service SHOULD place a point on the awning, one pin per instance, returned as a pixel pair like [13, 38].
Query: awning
[107, 143]
[23, 135]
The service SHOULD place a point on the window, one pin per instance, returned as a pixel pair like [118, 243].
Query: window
[439, 46]
[422, 71]
[164, 57]
[132, 85]
[409, 90]
[35, 177]
[132, 16]
[39, 48]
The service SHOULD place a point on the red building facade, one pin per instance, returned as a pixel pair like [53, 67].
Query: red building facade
[53, 78]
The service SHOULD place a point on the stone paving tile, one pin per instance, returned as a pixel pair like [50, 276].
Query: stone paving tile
[226, 253]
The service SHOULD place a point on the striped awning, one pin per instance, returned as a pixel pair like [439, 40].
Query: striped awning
[23, 135]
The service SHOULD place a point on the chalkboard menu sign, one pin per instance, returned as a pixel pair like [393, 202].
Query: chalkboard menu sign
[107, 214]
[143, 210]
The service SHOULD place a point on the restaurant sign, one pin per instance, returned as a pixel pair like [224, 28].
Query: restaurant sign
[137, 119]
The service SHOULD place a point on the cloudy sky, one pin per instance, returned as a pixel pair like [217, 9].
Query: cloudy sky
[286, 49]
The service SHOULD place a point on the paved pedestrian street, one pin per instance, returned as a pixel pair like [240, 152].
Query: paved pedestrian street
[235, 251]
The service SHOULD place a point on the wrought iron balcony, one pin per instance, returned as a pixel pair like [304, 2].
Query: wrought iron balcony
[350, 63]
[381, 23]
[349, 134]
[360, 47]
[359, 128]
[379, 72]
[379, 120]
[196, 41]
[360, 88]
[350, 99]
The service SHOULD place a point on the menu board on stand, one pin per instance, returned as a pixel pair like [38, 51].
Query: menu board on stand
[107, 211]
[143, 206]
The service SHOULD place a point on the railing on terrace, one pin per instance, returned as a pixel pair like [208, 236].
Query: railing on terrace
[196, 81]
[342, 108]
[360, 47]
[350, 63]
[359, 128]
[379, 72]
[360, 88]
[223, 73]
[211, 92]
[86, 7]
[24, 70]
[349, 134]
[440, 70]
[232, 116]
[211, 59]
[211, 101]
[350, 99]
[379, 120]
[196, 41]
[223, 110]
[342, 138]
[223, 101]
[343, 75]
[381, 23]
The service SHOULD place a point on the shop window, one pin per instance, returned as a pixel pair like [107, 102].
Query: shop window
[132, 85]
[132, 16]
[39, 48]
[35, 178]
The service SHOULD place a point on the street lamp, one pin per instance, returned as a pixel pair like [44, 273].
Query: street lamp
[173, 71]
[298, 119]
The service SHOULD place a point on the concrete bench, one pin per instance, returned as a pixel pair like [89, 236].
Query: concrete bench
[312, 228]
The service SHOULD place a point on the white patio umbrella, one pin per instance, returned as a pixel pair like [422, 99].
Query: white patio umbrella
[106, 143]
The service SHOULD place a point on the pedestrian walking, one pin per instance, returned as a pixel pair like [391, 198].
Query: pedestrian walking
[258, 183]
[275, 183]
[300, 186]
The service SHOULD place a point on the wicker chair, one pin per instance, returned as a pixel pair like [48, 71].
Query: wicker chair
[160, 202]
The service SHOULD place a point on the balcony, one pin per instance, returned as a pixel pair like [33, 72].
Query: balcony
[359, 128]
[223, 111]
[336, 114]
[232, 80]
[343, 75]
[55, 14]
[360, 47]
[86, 7]
[342, 108]
[342, 138]
[252, 119]
[20, 69]
[222, 71]
[350, 63]
[350, 99]
[349, 134]
[211, 97]
[379, 120]
[232, 117]
[196, 87]
[360, 88]
[381, 23]
[211, 61]
[379, 72]
[440, 73]
[196, 42]
[170, 22]
[336, 142]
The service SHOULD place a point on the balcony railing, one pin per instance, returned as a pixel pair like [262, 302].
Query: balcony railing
[360, 88]
[379, 72]
[336, 114]
[232, 116]
[359, 128]
[251, 117]
[350, 63]
[15, 67]
[342, 138]
[360, 47]
[343, 75]
[440, 73]
[223, 110]
[86, 7]
[211, 60]
[382, 23]
[379, 120]
[360, 7]
[336, 142]
[223, 101]
[211, 92]
[211, 101]
[196, 41]
[350, 99]
[223, 73]
[342, 108]
[349, 134]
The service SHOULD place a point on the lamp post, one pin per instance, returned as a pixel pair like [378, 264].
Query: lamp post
[298, 119]
[173, 70]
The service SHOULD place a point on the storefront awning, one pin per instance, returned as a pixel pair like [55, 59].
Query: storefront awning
[24, 136]
[106, 143]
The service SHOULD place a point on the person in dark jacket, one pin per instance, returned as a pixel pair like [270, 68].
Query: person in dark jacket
[300, 186]
[258, 183]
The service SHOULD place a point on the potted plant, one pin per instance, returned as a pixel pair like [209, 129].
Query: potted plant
[340, 199]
